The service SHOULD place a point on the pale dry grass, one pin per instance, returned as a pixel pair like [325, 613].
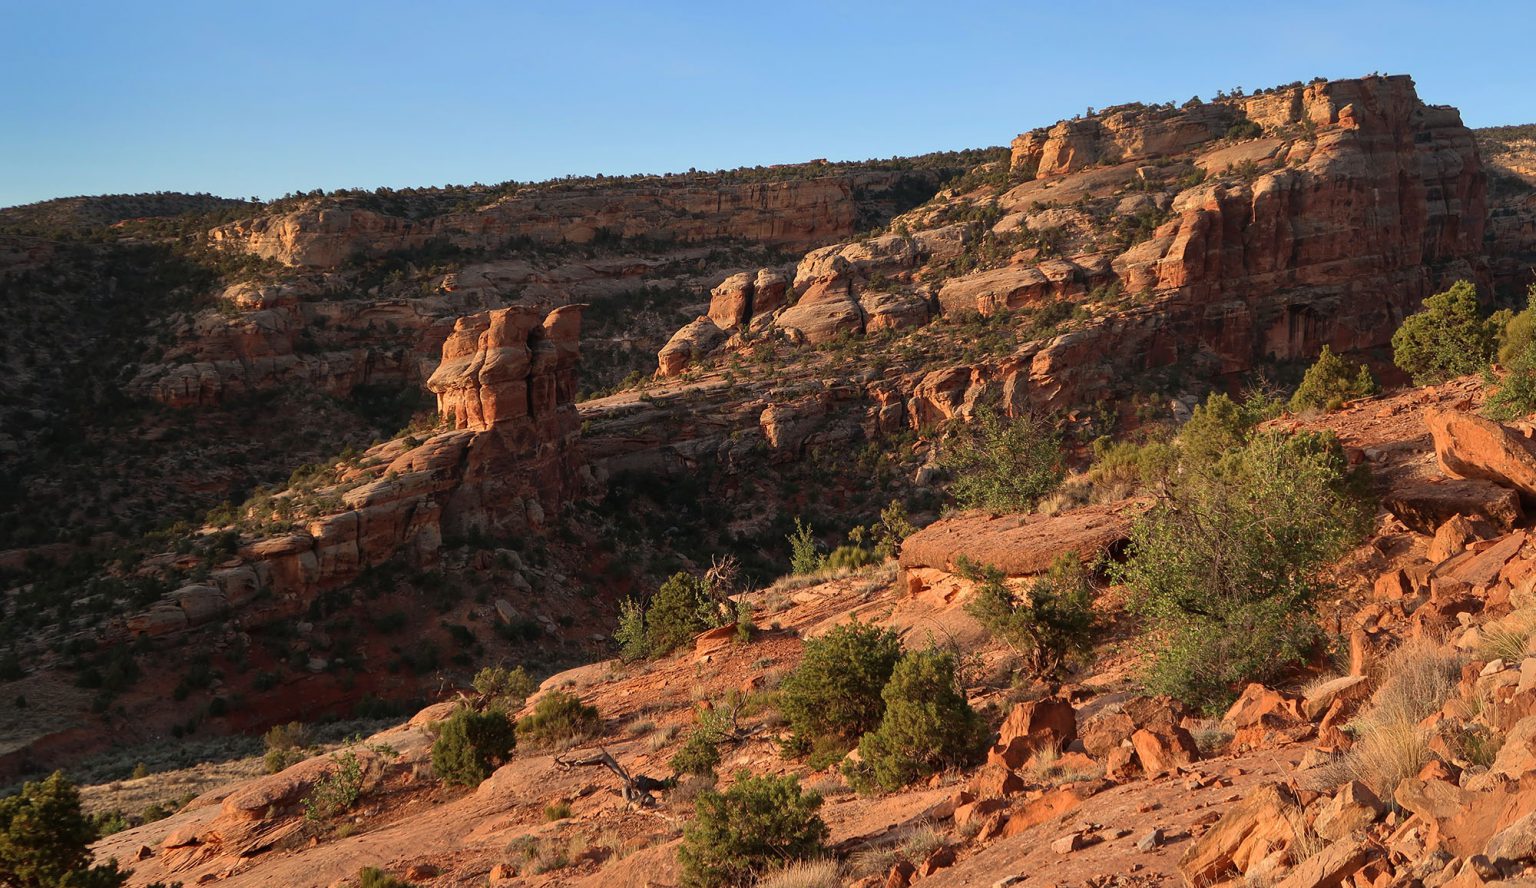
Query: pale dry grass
[660, 737]
[1510, 639]
[1413, 681]
[803, 874]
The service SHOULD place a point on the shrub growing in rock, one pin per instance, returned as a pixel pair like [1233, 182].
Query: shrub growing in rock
[1330, 382]
[470, 745]
[683, 607]
[1227, 567]
[1052, 620]
[1004, 464]
[835, 691]
[507, 688]
[1515, 394]
[559, 719]
[1449, 338]
[699, 756]
[928, 726]
[45, 840]
[757, 824]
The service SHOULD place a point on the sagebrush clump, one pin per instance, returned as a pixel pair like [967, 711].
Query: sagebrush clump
[559, 719]
[470, 745]
[756, 824]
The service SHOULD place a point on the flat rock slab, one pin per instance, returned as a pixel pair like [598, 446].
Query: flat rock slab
[1021, 545]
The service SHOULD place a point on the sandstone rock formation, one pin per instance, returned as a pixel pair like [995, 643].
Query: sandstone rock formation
[507, 386]
[793, 213]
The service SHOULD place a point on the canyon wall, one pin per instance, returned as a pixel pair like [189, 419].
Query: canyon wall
[792, 213]
[511, 458]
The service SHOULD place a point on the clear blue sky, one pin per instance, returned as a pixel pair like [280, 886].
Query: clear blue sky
[262, 98]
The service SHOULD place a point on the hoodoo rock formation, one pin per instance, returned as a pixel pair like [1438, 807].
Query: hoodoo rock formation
[507, 386]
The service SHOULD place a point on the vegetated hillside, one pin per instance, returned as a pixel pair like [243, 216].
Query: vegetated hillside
[1401, 753]
[1163, 605]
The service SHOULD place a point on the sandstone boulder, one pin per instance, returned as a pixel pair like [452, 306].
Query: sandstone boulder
[1470, 446]
[691, 343]
[1032, 727]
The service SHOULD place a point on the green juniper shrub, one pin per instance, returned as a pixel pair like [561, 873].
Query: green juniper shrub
[45, 840]
[506, 688]
[559, 719]
[471, 744]
[1004, 464]
[1449, 338]
[1227, 567]
[1053, 619]
[835, 691]
[1515, 394]
[928, 726]
[1330, 382]
[757, 824]
[1518, 332]
[683, 607]
[699, 756]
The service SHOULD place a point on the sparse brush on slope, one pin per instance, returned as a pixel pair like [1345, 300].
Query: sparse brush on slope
[836, 689]
[1051, 619]
[928, 726]
[1226, 567]
[1004, 464]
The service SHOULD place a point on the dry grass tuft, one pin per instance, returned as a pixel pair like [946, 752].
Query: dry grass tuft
[804, 874]
[1413, 681]
[1509, 640]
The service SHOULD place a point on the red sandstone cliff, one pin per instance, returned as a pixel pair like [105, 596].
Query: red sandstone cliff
[507, 386]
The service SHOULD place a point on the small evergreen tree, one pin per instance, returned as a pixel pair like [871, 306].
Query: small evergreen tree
[1330, 382]
[928, 725]
[760, 822]
[45, 840]
[835, 691]
[1053, 620]
[1449, 338]
[470, 745]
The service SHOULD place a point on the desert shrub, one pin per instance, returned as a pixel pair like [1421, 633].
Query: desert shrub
[699, 756]
[928, 725]
[683, 607]
[338, 790]
[1330, 382]
[506, 688]
[835, 691]
[1053, 620]
[1221, 425]
[471, 744]
[1004, 464]
[1133, 464]
[373, 877]
[1519, 331]
[1449, 338]
[558, 719]
[285, 745]
[1515, 395]
[803, 555]
[556, 811]
[1227, 566]
[45, 840]
[758, 823]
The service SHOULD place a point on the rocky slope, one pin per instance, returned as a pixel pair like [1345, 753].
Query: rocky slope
[1088, 783]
